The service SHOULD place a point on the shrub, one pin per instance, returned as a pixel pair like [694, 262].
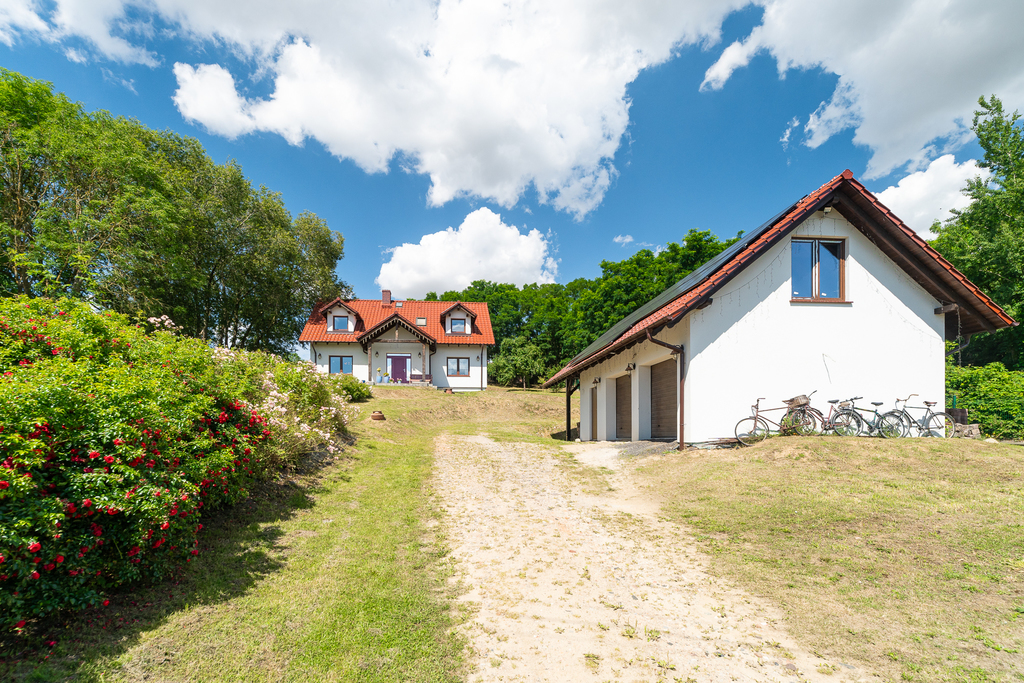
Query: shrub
[114, 441]
[992, 395]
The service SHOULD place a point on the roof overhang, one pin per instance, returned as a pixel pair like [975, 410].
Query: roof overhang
[976, 311]
[393, 322]
[457, 305]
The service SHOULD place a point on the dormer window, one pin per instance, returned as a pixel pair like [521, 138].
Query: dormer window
[458, 326]
[341, 323]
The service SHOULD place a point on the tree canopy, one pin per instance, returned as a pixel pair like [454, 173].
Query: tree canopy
[562, 320]
[985, 241]
[140, 221]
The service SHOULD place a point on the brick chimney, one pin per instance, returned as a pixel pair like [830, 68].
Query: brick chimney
[385, 297]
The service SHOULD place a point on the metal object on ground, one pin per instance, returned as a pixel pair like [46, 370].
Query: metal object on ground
[377, 415]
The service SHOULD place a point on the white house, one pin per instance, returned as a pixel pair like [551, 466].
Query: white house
[834, 294]
[440, 343]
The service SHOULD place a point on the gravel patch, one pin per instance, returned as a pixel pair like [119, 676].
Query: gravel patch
[569, 587]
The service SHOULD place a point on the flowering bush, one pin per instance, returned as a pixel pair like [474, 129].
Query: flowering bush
[113, 442]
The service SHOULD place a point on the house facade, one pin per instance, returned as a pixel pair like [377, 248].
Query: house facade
[834, 294]
[437, 343]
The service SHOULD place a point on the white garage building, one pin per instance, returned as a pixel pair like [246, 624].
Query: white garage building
[834, 294]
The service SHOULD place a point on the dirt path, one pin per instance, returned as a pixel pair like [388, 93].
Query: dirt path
[571, 587]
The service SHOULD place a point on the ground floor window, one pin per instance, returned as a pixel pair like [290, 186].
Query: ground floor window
[340, 364]
[458, 367]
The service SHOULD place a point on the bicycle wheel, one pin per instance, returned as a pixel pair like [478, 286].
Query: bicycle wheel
[820, 426]
[904, 422]
[939, 425]
[750, 431]
[847, 423]
[890, 426]
[805, 423]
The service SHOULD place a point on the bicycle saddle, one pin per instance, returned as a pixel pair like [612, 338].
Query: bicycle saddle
[835, 400]
[876, 403]
[930, 403]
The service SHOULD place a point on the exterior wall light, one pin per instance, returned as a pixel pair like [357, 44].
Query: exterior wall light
[630, 367]
[597, 380]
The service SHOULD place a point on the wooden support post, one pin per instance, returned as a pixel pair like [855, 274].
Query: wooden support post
[570, 386]
[682, 375]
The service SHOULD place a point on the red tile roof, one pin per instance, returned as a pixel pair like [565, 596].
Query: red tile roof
[370, 313]
[858, 200]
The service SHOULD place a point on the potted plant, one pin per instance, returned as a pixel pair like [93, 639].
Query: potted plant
[379, 379]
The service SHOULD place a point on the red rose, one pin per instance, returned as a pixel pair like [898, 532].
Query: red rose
[86, 503]
[118, 442]
[165, 525]
[60, 558]
[49, 567]
[108, 459]
[35, 547]
[94, 454]
[3, 485]
[20, 624]
[35, 575]
[106, 602]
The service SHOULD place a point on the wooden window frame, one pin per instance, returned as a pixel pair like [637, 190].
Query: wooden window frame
[334, 323]
[341, 365]
[815, 283]
[447, 367]
[451, 325]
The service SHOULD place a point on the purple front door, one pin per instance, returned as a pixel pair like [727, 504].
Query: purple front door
[399, 369]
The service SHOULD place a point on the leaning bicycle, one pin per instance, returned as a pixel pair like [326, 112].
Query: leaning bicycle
[758, 427]
[931, 423]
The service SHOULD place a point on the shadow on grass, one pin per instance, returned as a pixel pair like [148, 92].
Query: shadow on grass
[239, 546]
[560, 436]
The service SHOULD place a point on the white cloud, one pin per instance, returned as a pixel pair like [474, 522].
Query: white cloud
[486, 98]
[793, 125]
[482, 248]
[928, 196]
[910, 71]
[622, 239]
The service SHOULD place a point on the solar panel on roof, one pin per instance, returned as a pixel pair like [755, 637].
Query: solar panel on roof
[680, 288]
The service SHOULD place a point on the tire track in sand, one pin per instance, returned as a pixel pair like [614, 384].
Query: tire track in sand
[575, 588]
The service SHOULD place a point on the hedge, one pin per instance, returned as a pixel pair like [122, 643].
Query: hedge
[113, 441]
[992, 395]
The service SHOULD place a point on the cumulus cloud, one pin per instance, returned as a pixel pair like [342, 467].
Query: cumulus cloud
[485, 98]
[910, 71]
[482, 248]
[928, 196]
[622, 239]
[489, 98]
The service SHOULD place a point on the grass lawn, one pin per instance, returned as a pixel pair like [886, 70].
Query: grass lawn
[330, 573]
[905, 555]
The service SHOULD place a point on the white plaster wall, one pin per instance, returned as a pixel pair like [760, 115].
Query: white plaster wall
[644, 355]
[321, 351]
[337, 310]
[477, 355]
[752, 341]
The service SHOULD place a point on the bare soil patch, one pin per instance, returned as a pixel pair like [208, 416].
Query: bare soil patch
[573, 586]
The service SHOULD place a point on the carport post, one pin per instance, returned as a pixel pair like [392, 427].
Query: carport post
[571, 384]
[682, 374]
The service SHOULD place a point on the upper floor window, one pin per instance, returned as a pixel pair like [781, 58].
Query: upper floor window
[819, 269]
[458, 325]
[341, 323]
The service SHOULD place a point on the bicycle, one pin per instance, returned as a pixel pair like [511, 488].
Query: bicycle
[931, 423]
[887, 425]
[841, 421]
[755, 429]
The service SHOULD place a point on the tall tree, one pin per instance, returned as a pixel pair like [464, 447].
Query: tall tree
[143, 221]
[985, 241]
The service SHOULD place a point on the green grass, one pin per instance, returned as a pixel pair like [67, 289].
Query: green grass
[906, 555]
[332, 573]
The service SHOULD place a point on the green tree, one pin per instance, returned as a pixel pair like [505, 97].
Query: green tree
[143, 222]
[985, 241]
[519, 361]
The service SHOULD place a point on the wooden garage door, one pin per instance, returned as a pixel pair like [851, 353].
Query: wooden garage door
[663, 400]
[623, 408]
[593, 414]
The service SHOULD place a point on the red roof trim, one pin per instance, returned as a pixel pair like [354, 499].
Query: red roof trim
[676, 309]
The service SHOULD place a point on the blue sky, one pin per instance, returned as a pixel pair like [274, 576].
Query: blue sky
[591, 130]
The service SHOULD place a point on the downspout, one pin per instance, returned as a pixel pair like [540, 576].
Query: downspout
[430, 365]
[312, 350]
[678, 351]
[483, 363]
[571, 384]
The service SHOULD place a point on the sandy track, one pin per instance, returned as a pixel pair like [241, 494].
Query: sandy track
[576, 588]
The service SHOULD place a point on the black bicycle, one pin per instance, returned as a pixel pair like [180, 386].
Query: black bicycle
[939, 424]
